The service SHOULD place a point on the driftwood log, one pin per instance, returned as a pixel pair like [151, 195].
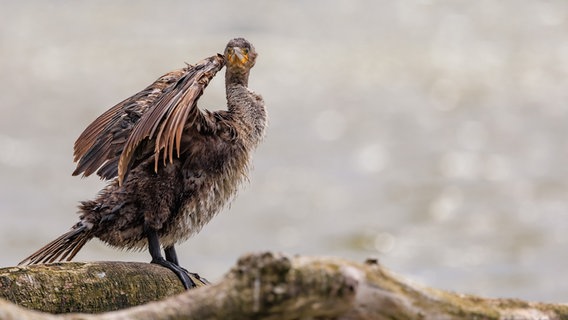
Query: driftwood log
[260, 286]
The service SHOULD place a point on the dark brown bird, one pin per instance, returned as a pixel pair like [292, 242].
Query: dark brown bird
[172, 166]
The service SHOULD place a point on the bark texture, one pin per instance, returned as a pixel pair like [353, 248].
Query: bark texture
[259, 286]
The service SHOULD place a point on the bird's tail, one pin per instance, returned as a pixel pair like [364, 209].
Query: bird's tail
[63, 248]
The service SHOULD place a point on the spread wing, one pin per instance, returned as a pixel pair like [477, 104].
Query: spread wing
[154, 117]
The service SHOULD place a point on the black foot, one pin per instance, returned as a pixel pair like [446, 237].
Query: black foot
[198, 277]
[195, 276]
[171, 256]
[182, 274]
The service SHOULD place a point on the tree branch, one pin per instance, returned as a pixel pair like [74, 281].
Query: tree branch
[260, 286]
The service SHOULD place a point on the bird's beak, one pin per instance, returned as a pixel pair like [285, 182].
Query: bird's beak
[238, 56]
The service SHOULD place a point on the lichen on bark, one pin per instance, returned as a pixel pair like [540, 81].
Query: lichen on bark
[259, 286]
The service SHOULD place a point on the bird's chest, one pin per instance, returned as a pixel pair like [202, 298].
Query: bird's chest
[210, 182]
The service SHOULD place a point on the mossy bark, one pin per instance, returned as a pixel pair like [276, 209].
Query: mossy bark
[260, 286]
[87, 287]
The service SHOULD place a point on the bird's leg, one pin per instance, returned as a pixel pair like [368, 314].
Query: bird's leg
[171, 256]
[157, 258]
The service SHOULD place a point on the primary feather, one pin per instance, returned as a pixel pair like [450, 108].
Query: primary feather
[157, 115]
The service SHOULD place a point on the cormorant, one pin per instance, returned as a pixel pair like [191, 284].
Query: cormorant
[172, 166]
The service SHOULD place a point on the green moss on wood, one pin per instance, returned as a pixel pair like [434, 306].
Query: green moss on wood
[86, 287]
[260, 286]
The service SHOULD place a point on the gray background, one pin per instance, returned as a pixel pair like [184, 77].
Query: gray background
[429, 134]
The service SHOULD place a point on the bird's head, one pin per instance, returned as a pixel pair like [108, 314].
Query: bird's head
[240, 55]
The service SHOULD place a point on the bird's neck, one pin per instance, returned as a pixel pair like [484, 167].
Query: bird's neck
[236, 77]
[246, 106]
[238, 98]
[236, 85]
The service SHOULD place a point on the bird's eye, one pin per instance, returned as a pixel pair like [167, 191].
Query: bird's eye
[245, 50]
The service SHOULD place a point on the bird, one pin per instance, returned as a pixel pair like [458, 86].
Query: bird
[171, 166]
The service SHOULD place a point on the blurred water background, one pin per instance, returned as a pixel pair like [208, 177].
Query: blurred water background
[429, 134]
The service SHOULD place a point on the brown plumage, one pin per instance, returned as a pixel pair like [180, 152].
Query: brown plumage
[172, 166]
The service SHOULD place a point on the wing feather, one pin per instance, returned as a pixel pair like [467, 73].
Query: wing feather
[166, 120]
[100, 142]
[157, 115]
